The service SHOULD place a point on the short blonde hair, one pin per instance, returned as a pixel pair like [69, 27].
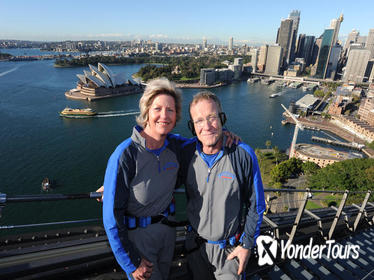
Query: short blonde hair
[154, 88]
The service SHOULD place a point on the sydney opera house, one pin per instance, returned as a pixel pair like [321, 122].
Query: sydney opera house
[100, 82]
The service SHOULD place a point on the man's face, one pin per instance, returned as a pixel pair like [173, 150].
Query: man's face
[206, 121]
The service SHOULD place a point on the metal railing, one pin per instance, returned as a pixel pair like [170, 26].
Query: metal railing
[308, 195]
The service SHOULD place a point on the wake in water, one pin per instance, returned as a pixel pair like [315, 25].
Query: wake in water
[108, 114]
[114, 114]
[9, 71]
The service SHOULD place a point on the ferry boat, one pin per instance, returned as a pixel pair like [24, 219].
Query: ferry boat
[274, 95]
[253, 80]
[69, 112]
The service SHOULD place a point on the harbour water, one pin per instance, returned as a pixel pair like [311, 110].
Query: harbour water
[36, 142]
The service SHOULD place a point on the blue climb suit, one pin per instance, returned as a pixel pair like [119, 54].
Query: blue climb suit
[225, 197]
[140, 183]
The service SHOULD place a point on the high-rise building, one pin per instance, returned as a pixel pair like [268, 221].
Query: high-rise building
[329, 40]
[335, 24]
[284, 39]
[370, 43]
[332, 66]
[305, 48]
[262, 58]
[254, 59]
[300, 45]
[323, 54]
[205, 43]
[352, 38]
[356, 65]
[273, 60]
[231, 43]
[295, 16]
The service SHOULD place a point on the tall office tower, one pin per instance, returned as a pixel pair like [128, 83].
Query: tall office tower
[300, 45]
[205, 43]
[308, 49]
[305, 48]
[273, 60]
[356, 65]
[324, 53]
[370, 43]
[231, 43]
[316, 47]
[262, 58]
[329, 40]
[352, 38]
[254, 59]
[295, 16]
[335, 24]
[284, 39]
[332, 65]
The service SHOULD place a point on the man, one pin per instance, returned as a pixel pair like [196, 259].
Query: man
[225, 197]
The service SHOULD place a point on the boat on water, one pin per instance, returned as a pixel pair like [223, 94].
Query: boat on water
[69, 112]
[46, 184]
[253, 80]
[274, 95]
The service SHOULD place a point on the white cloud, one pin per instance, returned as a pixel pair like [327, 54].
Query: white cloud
[158, 36]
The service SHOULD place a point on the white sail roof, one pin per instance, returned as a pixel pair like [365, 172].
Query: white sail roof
[102, 76]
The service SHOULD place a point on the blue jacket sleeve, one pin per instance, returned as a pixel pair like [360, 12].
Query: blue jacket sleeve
[119, 173]
[256, 202]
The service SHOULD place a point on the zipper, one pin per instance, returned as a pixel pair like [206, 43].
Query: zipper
[207, 179]
[159, 164]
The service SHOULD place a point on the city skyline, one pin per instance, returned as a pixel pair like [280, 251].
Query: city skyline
[247, 22]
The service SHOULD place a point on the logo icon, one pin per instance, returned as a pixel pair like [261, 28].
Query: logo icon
[226, 175]
[267, 249]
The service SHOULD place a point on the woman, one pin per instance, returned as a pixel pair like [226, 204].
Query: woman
[138, 187]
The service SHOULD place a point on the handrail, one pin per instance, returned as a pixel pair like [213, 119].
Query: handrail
[4, 198]
[47, 197]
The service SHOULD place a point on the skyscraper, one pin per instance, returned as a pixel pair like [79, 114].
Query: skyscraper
[324, 51]
[231, 43]
[352, 38]
[329, 40]
[335, 24]
[273, 60]
[254, 59]
[370, 43]
[205, 43]
[295, 16]
[284, 39]
[305, 48]
[356, 65]
[262, 58]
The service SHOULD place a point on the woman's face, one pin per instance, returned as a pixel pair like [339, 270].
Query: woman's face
[161, 115]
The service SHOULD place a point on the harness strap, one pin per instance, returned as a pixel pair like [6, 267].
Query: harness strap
[134, 222]
[233, 240]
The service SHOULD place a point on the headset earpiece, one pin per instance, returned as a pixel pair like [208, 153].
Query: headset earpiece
[191, 127]
[222, 117]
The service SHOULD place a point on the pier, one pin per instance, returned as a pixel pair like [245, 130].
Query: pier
[352, 145]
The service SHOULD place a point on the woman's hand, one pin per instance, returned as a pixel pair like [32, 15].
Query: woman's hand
[101, 189]
[231, 138]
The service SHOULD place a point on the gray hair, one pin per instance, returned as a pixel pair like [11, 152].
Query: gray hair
[205, 95]
[154, 88]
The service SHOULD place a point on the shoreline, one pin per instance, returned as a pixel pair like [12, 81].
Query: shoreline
[186, 85]
[327, 125]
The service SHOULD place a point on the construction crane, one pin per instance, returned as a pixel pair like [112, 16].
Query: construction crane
[298, 126]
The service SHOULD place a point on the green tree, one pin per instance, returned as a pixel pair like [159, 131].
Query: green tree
[268, 144]
[309, 168]
[277, 154]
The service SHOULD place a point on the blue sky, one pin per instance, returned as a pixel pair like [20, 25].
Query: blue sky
[250, 22]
